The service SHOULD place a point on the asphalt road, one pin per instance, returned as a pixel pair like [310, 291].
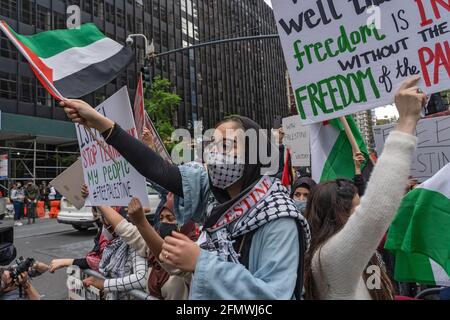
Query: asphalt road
[46, 240]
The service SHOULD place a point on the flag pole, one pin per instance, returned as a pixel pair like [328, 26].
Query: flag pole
[350, 135]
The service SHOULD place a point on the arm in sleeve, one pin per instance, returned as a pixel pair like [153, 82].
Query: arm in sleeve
[146, 161]
[81, 263]
[130, 234]
[195, 183]
[362, 233]
[137, 280]
[360, 184]
[274, 257]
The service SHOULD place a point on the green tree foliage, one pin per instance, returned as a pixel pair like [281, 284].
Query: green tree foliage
[159, 106]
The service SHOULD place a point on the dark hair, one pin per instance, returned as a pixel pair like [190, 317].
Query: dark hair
[2, 284]
[329, 207]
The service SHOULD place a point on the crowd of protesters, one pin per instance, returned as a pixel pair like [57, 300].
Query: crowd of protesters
[314, 241]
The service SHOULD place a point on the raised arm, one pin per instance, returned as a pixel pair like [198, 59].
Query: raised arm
[140, 156]
[360, 237]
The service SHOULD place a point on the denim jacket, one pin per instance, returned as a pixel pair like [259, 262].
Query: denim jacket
[273, 259]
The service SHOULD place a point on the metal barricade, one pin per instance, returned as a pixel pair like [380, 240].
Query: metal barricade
[137, 294]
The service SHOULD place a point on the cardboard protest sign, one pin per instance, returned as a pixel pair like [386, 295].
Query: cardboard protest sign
[296, 138]
[111, 182]
[340, 64]
[69, 184]
[433, 148]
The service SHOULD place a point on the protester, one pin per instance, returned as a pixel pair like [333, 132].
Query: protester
[44, 192]
[255, 257]
[300, 192]
[163, 282]
[92, 259]
[21, 287]
[123, 268]
[52, 194]
[17, 197]
[347, 231]
[31, 198]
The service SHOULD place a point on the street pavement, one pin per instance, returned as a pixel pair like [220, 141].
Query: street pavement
[46, 240]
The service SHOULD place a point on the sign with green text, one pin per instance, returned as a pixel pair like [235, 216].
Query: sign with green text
[111, 180]
[346, 56]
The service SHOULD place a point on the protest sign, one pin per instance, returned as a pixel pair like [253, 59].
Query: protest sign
[433, 148]
[111, 181]
[69, 184]
[296, 138]
[340, 64]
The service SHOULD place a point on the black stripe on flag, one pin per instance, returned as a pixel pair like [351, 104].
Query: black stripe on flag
[95, 76]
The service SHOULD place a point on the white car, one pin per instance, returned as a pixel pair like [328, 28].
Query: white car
[83, 219]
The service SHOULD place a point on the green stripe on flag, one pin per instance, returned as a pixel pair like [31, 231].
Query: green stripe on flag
[340, 163]
[410, 267]
[50, 43]
[420, 231]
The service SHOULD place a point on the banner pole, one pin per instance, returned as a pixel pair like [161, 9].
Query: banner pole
[350, 135]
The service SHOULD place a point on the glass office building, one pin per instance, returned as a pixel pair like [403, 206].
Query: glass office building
[246, 78]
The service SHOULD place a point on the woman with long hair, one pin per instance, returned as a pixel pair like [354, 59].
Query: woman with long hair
[252, 236]
[342, 262]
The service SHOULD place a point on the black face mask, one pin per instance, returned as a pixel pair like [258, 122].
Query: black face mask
[165, 229]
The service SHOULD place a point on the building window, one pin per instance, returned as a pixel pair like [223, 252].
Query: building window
[59, 20]
[109, 13]
[98, 9]
[26, 89]
[43, 97]
[44, 18]
[27, 12]
[120, 18]
[87, 6]
[8, 8]
[7, 49]
[8, 85]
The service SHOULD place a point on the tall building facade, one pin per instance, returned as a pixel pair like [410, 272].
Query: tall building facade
[366, 120]
[246, 78]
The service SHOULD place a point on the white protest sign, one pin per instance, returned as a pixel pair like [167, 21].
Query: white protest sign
[339, 64]
[110, 182]
[69, 184]
[433, 148]
[296, 138]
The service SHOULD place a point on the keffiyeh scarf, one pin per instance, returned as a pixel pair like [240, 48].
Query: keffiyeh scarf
[268, 200]
[114, 258]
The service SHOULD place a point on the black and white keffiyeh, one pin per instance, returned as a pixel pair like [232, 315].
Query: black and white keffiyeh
[274, 205]
[114, 258]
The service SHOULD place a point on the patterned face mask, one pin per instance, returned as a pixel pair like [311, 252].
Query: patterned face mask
[224, 169]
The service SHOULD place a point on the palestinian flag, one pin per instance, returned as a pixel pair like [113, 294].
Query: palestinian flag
[71, 63]
[420, 234]
[331, 151]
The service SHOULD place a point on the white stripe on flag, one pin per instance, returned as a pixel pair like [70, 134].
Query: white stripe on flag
[440, 276]
[439, 182]
[76, 59]
[323, 137]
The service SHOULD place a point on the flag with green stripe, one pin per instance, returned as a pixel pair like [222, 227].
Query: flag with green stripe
[331, 151]
[71, 63]
[420, 233]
